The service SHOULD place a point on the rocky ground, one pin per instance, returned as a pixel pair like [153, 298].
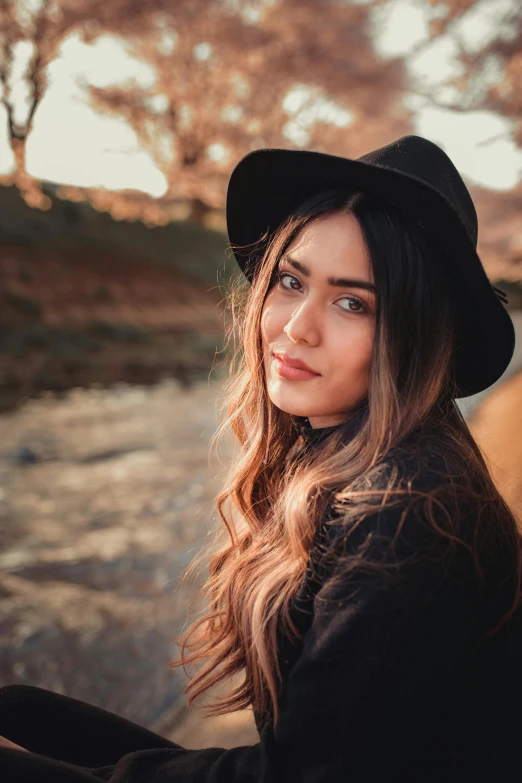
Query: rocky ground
[106, 495]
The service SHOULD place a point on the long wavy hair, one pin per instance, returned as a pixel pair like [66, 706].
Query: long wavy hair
[272, 513]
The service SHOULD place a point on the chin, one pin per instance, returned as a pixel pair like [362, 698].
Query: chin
[295, 408]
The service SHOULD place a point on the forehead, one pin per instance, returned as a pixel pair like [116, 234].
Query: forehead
[333, 245]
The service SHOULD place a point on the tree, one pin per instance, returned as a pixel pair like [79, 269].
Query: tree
[492, 73]
[232, 77]
[31, 33]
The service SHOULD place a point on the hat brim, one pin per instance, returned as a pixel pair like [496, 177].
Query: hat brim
[268, 184]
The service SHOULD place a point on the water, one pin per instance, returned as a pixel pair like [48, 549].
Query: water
[105, 497]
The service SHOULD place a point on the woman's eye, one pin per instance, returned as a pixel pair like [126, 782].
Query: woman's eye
[281, 275]
[360, 306]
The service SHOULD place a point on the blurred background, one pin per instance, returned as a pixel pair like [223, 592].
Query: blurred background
[120, 123]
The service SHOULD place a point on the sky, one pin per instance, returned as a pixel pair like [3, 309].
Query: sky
[72, 144]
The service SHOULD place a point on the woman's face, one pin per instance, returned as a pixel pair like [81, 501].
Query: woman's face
[321, 311]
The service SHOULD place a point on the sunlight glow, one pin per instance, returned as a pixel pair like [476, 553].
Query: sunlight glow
[398, 26]
[480, 144]
[307, 106]
[75, 143]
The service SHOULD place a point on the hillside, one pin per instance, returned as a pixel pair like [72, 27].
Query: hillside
[85, 299]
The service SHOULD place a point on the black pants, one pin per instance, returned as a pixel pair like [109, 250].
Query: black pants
[64, 735]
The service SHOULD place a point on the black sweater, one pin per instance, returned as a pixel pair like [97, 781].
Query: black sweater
[393, 681]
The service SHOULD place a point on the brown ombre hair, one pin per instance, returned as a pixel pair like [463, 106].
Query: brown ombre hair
[275, 494]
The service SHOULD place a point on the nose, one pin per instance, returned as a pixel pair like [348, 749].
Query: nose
[304, 324]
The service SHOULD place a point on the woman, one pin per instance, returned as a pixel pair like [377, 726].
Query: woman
[369, 583]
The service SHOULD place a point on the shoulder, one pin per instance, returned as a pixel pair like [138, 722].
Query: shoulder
[402, 467]
[424, 461]
[415, 505]
[440, 531]
[416, 470]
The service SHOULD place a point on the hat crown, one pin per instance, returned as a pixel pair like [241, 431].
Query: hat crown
[421, 158]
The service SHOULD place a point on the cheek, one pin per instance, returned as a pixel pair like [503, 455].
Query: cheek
[271, 322]
[352, 351]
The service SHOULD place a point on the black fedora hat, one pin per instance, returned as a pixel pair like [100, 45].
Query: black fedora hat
[417, 177]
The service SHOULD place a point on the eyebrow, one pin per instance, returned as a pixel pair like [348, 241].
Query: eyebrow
[340, 282]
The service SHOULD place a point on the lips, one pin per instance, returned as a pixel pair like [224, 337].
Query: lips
[297, 363]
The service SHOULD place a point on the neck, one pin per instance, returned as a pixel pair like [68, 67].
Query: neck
[321, 422]
[314, 433]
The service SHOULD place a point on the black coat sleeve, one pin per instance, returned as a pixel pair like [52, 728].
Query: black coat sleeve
[368, 696]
